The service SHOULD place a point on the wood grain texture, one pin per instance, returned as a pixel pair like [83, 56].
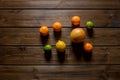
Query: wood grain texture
[36, 18]
[36, 55]
[21, 47]
[94, 4]
[31, 36]
[59, 72]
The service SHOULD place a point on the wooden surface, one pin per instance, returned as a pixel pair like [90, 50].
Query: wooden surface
[21, 47]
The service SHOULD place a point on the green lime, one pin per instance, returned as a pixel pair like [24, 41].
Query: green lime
[47, 47]
[90, 24]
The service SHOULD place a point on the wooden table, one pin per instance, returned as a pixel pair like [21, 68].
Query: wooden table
[21, 48]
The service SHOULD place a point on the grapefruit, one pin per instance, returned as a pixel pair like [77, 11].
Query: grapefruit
[77, 35]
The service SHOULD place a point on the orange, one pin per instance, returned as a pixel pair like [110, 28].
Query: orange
[88, 47]
[75, 20]
[57, 26]
[44, 30]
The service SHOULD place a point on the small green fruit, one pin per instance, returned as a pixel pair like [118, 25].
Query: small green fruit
[47, 47]
[90, 24]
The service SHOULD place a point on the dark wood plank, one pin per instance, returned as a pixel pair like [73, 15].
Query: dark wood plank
[36, 18]
[51, 72]
[90, 72]
[36, 55]
[114, 57]
[113, 72]
[94, 4]
[113, 68]
[31, 36]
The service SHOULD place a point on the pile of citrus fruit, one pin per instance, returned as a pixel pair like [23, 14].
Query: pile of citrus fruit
[77, 35]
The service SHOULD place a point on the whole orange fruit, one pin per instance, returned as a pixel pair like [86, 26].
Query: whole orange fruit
[44, 30]
[57, 26]
[77, 35]
[88, 47]
[75, 20]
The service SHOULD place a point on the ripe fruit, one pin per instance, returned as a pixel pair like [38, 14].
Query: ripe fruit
[47, 47]
[61, 46]
[57, 26]
[75, 20]
[77, 35]
[88, 47]
[44, 30]
[90, 24]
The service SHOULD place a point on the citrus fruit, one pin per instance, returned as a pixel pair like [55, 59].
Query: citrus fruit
[57, 26]
[47, 47]
[44, 30]
[61, 46]
[88, 47]
[89, 24]
[75, 20]
[77, 35]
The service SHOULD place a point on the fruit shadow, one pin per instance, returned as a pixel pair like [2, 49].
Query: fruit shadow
[57, 35]
[48, 55]
[61, 56]
[87, 56]
[75, 26]
[90, 32]
[78, 51]
[44, 39]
